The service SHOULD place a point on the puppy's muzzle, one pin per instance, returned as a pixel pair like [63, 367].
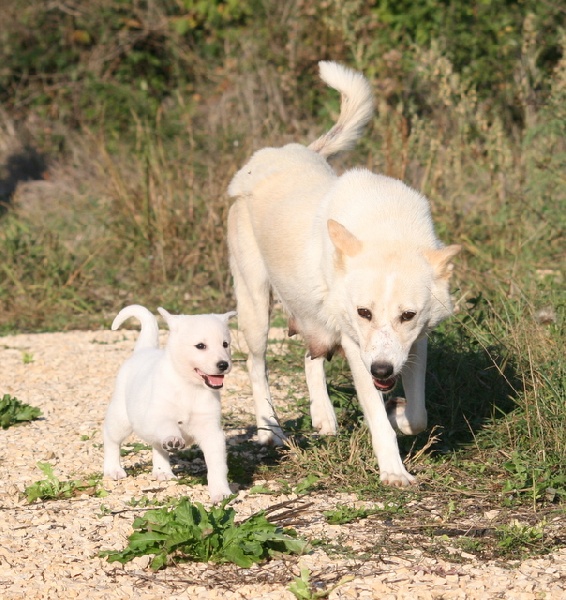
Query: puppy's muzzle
[215, 382]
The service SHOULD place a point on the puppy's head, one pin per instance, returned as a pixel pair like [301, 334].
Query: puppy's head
[387, 298]
[199, 347]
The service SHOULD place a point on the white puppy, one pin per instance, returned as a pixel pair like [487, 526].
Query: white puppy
[170, 397]
[355, 262]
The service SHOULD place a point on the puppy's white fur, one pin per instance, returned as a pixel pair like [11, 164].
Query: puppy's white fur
[356, 263]
[170, 397]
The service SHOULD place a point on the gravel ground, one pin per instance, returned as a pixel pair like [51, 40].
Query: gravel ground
[49, 550]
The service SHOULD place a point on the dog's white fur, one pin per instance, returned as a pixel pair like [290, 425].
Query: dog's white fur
[355, 262]
[170, 397]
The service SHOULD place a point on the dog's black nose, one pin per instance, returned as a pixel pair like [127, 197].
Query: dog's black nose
[222, 365]
[382, 370]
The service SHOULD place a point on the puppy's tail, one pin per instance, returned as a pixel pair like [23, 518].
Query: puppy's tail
[149, 334]
[356, 108]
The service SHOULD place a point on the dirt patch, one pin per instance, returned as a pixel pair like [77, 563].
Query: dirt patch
[49, 550]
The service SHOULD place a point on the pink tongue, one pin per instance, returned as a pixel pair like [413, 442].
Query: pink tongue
[216, 380]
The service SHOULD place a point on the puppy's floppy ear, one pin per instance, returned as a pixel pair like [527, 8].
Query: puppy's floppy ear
[441, 260]
[344, 241]
[169, 318]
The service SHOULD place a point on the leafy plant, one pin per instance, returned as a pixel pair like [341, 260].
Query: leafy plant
[343, 514]
[302, 587]
[13, 411]
[53, 488]
[519, 537]
[189, 532]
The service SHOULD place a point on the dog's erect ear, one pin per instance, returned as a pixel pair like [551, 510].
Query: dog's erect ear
[441, 260]
[227, 316]
[169, 318]
[344, 241]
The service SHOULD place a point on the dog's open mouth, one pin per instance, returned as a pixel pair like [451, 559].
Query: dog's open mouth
[385, 385]
[214, 382]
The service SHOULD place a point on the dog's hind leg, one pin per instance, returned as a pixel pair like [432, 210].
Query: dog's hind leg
[254, 306]
[409, 416]
[322, 412]
[116, 429]
[383, 436]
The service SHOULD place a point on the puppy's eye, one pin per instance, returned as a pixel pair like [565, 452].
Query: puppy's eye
[365, 313]
[407, 315]
[200, 346]
[225, 344]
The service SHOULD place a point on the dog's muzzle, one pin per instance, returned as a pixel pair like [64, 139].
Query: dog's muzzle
[214, 382]
[383, 378]
[384, 385]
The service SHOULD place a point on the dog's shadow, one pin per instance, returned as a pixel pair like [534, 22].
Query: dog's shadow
[468, 387]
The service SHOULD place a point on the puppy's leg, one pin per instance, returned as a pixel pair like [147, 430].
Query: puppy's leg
[252, 287]
[116, 429]
[213, 446]
[409, 416]
[167, 438]
[161, 465]
[322, 412]
[384, 439]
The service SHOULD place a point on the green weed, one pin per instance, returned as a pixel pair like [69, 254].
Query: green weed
[519, 538]
[189, 532]
[52, 488]
[13, 411]
[303, 589]
[344, 513]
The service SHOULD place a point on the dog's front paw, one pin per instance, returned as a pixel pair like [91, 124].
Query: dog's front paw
[400, 479]
[271, 436]
[326, 426]
[173, 443]
[397, 415]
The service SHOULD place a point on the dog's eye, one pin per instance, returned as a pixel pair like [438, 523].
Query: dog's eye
[225, 344]
[407, 315]
[200, 346]
[365, 313]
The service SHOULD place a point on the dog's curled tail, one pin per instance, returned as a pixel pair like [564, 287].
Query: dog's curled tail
[356, 108]
[149, 334]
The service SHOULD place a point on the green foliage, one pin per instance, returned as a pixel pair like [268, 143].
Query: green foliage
[13, 411]
[189, 532]
[344, 513]
[535, 480]
[520, 538]
[53, 488]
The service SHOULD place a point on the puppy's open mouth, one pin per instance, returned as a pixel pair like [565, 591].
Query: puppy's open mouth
[385, 385]
[214, 382]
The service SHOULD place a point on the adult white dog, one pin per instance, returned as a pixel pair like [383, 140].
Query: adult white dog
[356, 263]
[170, 397]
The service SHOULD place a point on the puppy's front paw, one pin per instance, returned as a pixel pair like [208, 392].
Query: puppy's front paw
[218, 494]
[163, 475]
[173, 443]
[115, 474]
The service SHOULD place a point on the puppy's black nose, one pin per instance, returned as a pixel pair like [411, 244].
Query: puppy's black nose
[222, 365]
[382, 370]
